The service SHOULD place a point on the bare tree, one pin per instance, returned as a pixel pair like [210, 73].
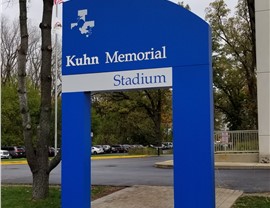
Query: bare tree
[9, 44]
[37, 156]
[34, 57]
[59, 74]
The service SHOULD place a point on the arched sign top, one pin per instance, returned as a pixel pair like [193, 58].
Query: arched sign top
[106, 36]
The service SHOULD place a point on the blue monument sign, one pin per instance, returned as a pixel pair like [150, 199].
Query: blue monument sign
[123, 45]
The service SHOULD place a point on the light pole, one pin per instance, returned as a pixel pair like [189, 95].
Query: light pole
[55, 82]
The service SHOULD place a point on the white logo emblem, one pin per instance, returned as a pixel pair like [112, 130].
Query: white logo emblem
[85, 27]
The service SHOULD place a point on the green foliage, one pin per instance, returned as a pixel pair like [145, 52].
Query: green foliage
[234, 66]
[11, 119]
[115, 123]
[186, 6]
[12, 130]
[11, 124]
[143, 151]
[135, 117]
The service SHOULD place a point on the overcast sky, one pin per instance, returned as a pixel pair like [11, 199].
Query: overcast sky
[198, 6]
[35, 8]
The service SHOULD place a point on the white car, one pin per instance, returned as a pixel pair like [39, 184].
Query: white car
[4, 154]
[96, 150]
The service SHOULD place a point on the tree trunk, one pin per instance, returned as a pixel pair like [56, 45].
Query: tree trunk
[251, 11]
[40, 184]
[41, 176]
[156, 105]
[26, 119]
[158, 133]
[38, 160]
[253, 81]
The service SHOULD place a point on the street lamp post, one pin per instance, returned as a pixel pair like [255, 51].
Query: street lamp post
[55, 84]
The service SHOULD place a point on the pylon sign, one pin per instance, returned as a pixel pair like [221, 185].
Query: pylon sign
[142, 44]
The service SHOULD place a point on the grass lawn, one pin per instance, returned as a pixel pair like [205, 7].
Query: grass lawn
[247, 201]
[14, 159]
[21, 196]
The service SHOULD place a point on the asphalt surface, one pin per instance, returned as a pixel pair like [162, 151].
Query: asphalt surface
[130, 172]
[246, 180]
[141, 171]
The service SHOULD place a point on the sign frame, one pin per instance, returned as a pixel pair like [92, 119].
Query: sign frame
[140, 37]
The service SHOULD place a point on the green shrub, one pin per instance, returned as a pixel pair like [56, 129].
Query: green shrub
[168, 151]
[143, 151]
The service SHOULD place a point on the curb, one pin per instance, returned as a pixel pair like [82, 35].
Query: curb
[24, 162]
[119, 157]
[164, 165]
[222, 166]
[242, 166]
[14, 162]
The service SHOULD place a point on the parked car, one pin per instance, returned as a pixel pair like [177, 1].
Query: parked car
[137, 146]
[106, 148]
[96, 150]
[126, 147]
[51, 151]
[117, 149]
[15, 151]
[167, 145]
[4, 154]
[99, 146]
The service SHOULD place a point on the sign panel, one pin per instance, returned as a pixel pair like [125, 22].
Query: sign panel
[224, 137]
[105, 36]
[119, 80]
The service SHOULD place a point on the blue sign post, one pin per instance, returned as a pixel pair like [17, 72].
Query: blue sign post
[124, 45]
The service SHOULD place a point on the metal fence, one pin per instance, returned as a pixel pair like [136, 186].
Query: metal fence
[236, 141]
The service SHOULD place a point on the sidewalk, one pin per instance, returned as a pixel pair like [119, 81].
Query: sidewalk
[156, 197]
[222, 165]
[162, 196]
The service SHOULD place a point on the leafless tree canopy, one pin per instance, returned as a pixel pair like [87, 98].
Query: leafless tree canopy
[9, 45]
